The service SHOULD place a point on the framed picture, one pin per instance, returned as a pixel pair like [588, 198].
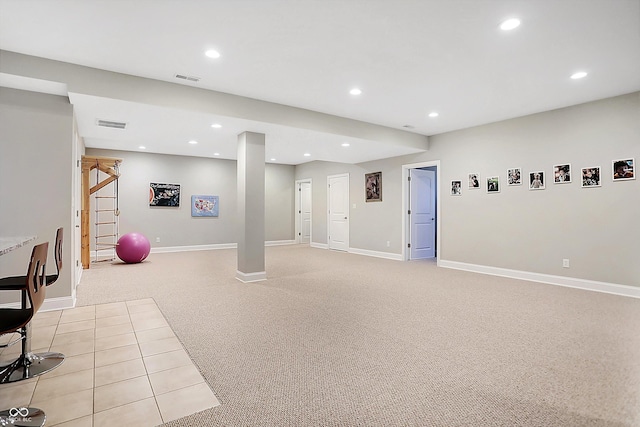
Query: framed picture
[536, 180]
[591, 177]
[514, 176]
[562, 174]
[204, 206]
[623, 169]
[474, 181]
[164, 194]
[493, 184]
[373, 187]
[456, 188]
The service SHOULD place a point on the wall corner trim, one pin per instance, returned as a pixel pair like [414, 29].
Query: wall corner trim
[570, 282]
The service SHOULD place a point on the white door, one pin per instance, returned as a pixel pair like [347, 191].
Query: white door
[422, 197]
[305, 212]
[338, 197]
[75, 236]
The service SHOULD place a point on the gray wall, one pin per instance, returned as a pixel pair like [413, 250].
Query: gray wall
[175, 226]
[36, 165]
[520, 229]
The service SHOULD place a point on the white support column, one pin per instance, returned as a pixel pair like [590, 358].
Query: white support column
[251, 264]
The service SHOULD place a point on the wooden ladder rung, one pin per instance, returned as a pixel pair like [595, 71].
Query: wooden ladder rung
[105, 235]
[105, 197]
[106, 222]
[105, 210]
[107, 244]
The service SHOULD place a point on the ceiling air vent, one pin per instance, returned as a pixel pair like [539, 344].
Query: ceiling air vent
[408, 127]
[111, 124]
[188, 78]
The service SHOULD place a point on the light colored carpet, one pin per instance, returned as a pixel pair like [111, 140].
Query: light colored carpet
[336, 339]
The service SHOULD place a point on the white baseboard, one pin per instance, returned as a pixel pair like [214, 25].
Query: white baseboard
[251, 277]
[168, 249]
[319, 245]
[49, 304]
[571, 282]
[377, 254]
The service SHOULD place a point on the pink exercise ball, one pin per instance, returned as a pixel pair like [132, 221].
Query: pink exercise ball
[133, 248]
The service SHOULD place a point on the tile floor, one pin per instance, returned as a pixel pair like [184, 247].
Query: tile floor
[124, 366]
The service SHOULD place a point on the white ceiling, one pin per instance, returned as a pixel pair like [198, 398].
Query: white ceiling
[409, 57]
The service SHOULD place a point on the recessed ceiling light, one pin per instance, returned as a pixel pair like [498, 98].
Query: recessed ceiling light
[510, 24]
[433, 114]
[216, 126]
[212, 53]
[345, 144]
[142, 147]
[273, 160]
[216, 154]
[579, 75]
[355, 91]
[193, 141]
[307, 154]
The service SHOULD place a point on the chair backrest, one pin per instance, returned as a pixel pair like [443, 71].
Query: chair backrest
[36, 276]
[57, 252]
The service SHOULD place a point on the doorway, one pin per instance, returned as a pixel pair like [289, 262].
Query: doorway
[303, 211]
[338, 212]
[421, 204]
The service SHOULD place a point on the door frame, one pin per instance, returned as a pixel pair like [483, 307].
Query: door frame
[329, 177]
[298, 226]
[406, 222]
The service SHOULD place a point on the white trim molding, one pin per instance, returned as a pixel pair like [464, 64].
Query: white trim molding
[251, 277]
[319, 245]
[376, 254]
[570, 282]
[169, 249]
[49, 304]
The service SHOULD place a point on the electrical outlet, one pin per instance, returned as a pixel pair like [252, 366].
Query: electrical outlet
[157, 240]
[565, 263]
[354, 206]
[388, 243]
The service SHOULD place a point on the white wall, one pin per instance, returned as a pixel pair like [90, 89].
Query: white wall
[36, 165]
[196, 176]
[533, 231]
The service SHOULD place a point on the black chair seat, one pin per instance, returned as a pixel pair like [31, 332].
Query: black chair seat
[14, 283]
[13, 319]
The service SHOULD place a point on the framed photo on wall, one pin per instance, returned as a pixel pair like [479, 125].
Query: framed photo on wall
[514, 176]
[562, 174]
[591, 177]
[536, 180]
[623, 169]
[373, 187]
[164, 194]
[474, 181]
[493, 184]
[456, 188]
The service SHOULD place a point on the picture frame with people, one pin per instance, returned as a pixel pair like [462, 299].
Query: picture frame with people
[591, 177]
[623, 169]
[474, 181]
[562, 173]
[514, 176]
[493, 184]
[536, 180]
[456, 188]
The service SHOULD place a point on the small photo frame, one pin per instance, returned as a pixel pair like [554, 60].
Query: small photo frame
[373, 187]
[514, 176]
[203, 206]
[623, 169]
[536, 180]
[562, 173]
[493, 184]
[456, 188]
[591, 177]
[474, 181]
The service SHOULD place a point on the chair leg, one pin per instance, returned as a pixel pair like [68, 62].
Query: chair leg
[29, 364]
